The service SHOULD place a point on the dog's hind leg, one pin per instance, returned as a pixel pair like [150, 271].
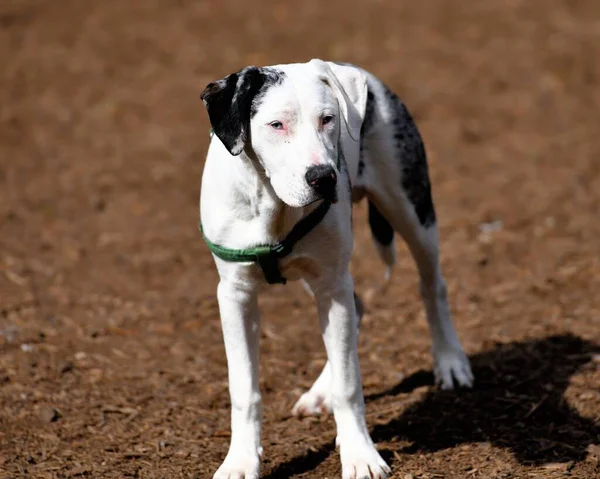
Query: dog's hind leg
[451, 363]
[317, 400]
[404, 199]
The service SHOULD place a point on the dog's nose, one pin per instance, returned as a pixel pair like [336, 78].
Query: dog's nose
[323, 179]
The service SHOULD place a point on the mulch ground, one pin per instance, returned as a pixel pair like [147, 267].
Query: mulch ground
[111, 358]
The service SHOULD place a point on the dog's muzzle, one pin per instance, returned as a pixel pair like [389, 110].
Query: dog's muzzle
[323, 180]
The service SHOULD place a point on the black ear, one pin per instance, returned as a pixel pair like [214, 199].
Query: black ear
[228, 102]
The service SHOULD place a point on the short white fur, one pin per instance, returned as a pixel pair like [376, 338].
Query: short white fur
[243, 198]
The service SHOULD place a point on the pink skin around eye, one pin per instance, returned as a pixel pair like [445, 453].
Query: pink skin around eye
[282, 129]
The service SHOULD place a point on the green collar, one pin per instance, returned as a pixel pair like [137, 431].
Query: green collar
[268, 256]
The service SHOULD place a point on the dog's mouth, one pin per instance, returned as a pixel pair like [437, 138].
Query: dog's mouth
[330, 196]
[304, 197]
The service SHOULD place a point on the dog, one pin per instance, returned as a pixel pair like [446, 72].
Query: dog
[293, 147]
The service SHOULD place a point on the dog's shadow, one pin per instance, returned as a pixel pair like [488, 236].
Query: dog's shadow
[518, 404]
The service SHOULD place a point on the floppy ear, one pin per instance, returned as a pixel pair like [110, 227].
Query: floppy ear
[228, 103]
[350, 87]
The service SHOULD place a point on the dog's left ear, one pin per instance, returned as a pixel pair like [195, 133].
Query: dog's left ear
[228, 103]
[350, 86]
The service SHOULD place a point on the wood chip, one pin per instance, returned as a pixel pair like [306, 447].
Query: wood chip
[133, 454]
[49, 414]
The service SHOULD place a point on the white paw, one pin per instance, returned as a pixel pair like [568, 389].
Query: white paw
[312, 403]
[360, 460]
[239, 465]
[452, 366]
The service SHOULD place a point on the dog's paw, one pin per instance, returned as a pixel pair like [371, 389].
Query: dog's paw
[452, 366]
[360, 460]
[239, 465]
[312, 403]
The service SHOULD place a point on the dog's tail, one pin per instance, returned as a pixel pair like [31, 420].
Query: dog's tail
[383, 238]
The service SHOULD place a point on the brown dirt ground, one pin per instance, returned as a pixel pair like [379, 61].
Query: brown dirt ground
[111, 358]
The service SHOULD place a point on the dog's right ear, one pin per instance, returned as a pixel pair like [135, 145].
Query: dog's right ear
[228, 103]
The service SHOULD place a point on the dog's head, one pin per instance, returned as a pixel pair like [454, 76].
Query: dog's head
[292, 117]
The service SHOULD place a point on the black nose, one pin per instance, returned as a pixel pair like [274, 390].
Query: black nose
[323, 179]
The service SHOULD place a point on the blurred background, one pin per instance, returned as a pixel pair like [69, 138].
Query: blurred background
[111, 357]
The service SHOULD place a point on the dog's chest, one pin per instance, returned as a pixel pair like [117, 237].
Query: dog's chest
[300, 267]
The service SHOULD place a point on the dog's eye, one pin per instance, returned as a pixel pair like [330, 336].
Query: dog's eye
[327, 119]
[277, 125]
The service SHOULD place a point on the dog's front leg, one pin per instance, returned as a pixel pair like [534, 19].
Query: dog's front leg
[337, 314]
[240, 322]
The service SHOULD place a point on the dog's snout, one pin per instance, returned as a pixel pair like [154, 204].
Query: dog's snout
[323, 179]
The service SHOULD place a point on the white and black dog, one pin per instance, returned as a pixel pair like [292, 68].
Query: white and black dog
[293, 147]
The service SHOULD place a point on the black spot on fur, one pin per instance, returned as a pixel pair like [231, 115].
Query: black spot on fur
[411, 151]
[381, 229]
[365, 128]
[272, 77]
[229, 104]
[369, 114]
